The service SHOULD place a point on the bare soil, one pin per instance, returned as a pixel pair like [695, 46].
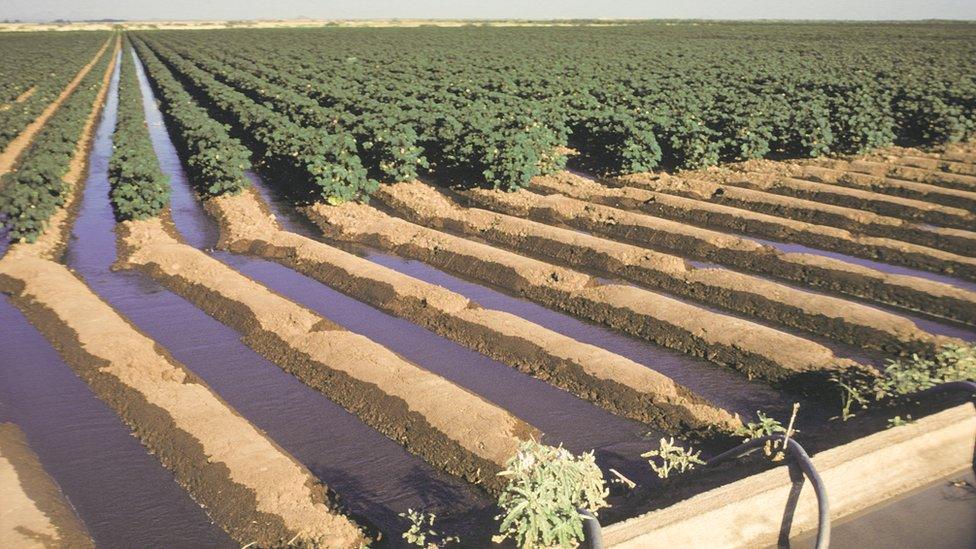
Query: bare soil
[824, 315]
[750, 193]
[751, 348]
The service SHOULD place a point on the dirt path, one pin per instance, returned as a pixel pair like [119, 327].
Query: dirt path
[587, 205]
[609, 380]
[828, 316]
[9, 155]
[34, 512]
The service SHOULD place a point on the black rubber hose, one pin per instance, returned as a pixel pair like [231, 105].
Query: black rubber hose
[797, 452]
[592, 533]
[949, 387]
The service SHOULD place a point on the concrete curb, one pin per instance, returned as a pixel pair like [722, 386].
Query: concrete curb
[858, 475]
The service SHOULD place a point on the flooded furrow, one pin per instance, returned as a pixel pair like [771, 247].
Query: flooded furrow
[564, 418]
[122, 493]
[337, 447]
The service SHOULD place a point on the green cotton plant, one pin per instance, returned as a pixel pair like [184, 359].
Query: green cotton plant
[547, 487]
[421, 532]
[764, 427]
[672, 458]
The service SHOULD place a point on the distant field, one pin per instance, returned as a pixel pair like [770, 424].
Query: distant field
[332, 276]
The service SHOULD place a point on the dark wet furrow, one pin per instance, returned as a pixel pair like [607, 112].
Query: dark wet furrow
[122, 493]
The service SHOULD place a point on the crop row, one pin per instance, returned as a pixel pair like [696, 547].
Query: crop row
[33, 71]
[31, 194]
[215, 161]
[139, 188]
[502, 103]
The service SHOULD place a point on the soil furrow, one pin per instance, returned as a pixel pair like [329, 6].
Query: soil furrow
[618, 384]
[34, 510]
[457, 431]
[254, 490]
[591, 214]
[951, 238]
[8, 157]
[951, 180]
[889, 185]
[719, 216]
[829, 316]
[922, 209]
[749, 347]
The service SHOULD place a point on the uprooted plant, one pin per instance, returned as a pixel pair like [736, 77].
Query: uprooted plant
[547, 487]
[906, 376]
[671, 457]
[766, 426]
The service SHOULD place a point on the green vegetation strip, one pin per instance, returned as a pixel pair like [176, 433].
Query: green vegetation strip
[215, 161]
[501, 105]
[34, 69]
[139, 188]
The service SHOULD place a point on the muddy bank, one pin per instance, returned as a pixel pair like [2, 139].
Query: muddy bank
[579, 210]
[251, 488]
[751, 348]
[828, 316]
[34, 512]
[950, 236]
[611, 381]
[8, 157]
[457, 431]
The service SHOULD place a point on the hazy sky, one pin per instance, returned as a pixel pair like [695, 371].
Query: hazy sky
[496, 9]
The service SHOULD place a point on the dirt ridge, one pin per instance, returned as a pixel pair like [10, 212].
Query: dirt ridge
[459, 431]
[587, 205]
[749, 347]
[829, 316]
[609, 380]
[722, 217]
[755, 194]
[35, 511]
